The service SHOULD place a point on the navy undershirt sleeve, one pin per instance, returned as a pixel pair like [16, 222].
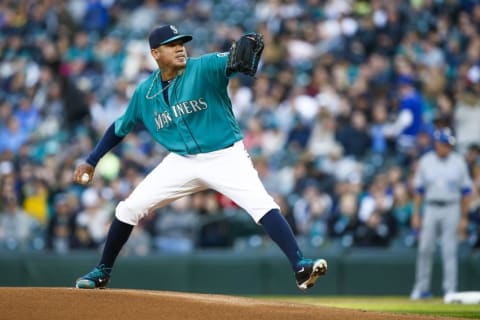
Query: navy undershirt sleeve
[106, 143]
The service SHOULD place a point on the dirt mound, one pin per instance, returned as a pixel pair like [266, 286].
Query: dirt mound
[114, 304]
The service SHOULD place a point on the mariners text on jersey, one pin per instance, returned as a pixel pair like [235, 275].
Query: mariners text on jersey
[181, 109]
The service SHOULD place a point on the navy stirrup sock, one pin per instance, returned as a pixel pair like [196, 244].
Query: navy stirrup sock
[281, 233]
[117, 236]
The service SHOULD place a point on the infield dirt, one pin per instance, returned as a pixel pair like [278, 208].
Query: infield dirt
[18, 303]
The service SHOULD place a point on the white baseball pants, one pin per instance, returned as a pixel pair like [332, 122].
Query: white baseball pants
[229, 171]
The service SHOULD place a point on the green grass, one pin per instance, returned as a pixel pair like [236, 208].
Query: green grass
[434, 307]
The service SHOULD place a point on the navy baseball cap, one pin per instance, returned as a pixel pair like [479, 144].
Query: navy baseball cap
[444, 136]
[166, 34]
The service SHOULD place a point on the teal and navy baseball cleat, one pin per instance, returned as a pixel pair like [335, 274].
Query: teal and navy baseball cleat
[310, 272]
[98, 278]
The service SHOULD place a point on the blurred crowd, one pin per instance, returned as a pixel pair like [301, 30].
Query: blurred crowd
[324, 119]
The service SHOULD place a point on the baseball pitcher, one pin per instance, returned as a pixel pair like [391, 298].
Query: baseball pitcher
[185, 107]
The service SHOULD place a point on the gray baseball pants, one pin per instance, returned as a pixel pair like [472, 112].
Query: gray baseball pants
[442, 222]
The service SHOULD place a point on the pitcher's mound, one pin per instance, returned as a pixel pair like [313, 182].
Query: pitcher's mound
[114, 304]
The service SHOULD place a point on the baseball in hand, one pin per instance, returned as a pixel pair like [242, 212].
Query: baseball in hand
[85, 178]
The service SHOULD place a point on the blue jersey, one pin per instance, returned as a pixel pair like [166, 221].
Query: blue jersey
[413, 103]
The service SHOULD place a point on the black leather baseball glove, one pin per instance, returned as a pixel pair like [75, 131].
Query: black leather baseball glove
[245, 54]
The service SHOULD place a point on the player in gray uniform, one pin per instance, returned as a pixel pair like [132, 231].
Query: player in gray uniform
[185, 107]
[442, 183]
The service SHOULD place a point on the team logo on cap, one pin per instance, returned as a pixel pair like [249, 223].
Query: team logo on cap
[174, 30]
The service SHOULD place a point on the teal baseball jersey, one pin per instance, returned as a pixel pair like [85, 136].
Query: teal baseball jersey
[199, 117]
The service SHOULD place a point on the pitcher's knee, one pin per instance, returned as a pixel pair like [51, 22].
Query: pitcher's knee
[129, 215]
